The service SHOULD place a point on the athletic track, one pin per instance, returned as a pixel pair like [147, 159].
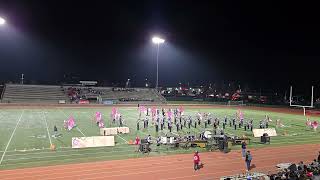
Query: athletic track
[172, 167]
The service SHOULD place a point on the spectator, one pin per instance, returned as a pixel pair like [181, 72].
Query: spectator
[315, 163]
[248, 160]
[300, 165]
[243, 148]
[196, 161]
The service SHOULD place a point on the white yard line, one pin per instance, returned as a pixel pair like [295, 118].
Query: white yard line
[5, 150]
[80, 131]
[45, 120]
[122, 138]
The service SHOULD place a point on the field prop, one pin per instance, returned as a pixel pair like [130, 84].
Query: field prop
[93, 141]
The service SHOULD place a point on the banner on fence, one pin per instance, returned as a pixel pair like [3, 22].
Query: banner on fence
[108, 102]
[93, 141]
[82, 101]
[62, 101]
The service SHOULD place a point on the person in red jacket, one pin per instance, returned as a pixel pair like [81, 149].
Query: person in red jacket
[196, 161]
[137, 142]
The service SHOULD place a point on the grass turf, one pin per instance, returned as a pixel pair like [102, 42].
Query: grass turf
[29, 145]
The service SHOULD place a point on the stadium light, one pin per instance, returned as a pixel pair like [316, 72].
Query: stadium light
[2, 21]
[158, 41]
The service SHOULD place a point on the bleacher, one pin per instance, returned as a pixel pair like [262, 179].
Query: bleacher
[136, 95]
[18, 93]
[121, 95]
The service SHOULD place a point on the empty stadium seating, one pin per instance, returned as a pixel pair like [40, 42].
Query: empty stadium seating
[18, 93]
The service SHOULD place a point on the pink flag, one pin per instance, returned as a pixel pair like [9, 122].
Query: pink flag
[314, 124]
[181, 109]
[98, 116]
[153, 110]
[169, 113]
[114, 111]
[101, 124]
[71, 123]
[240, 114]
[142, 109]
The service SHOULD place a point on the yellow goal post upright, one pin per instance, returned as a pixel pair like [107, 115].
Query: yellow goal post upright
[302, 106]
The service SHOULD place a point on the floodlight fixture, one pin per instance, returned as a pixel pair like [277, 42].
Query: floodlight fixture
[2, 21]
[157, 40]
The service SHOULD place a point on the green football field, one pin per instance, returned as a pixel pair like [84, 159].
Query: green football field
[25, 134]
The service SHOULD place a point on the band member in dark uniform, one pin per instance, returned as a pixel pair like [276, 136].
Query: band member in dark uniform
[55, 129]
[120, 121]
[158, 141]
[138, 125]
[267, 124]
[157, 126]
[147, 122]
[161, 123]
[215, 124]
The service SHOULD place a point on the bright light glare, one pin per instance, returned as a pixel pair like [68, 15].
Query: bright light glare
[2, 21]
[157, 40]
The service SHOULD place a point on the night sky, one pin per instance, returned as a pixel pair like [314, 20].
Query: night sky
[260, 43]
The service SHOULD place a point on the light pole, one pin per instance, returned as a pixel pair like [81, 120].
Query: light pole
[157, 41]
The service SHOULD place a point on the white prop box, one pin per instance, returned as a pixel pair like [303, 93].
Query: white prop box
[260, 132]
[113, 131]
[164, 140]
[93, 141]
[171, 140]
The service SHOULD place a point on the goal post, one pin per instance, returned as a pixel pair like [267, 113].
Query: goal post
[299, 105]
